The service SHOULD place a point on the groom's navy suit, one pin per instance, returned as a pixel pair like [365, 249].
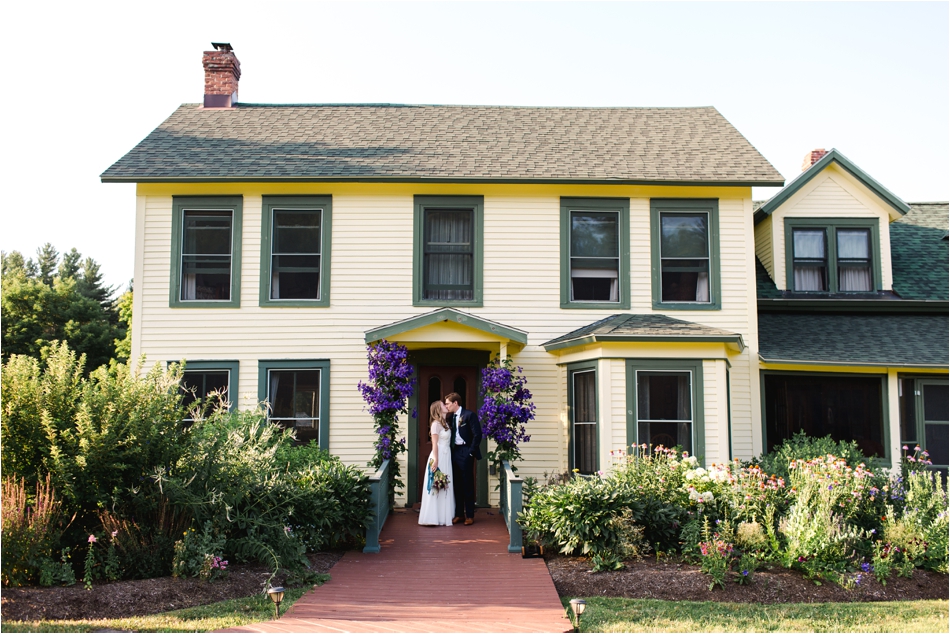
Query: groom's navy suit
[463, 459]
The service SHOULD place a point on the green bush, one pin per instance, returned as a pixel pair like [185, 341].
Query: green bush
[801, 446]
[584, 516]
[269, 498]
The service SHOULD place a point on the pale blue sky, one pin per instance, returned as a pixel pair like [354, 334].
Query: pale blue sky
[84, 83]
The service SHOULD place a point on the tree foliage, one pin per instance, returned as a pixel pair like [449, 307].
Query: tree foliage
[58, 299]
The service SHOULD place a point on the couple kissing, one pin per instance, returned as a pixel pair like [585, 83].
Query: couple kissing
[448, 496]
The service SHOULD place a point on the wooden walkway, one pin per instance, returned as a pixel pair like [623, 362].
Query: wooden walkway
[446, 579]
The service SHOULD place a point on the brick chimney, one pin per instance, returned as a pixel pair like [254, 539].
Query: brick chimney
[222, 72]
[810, 159]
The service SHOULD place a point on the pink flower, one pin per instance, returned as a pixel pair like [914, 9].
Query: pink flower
[114, 533]
[92, 539]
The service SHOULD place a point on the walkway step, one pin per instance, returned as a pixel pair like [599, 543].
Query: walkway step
[443, 579]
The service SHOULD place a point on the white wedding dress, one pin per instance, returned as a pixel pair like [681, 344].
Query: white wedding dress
[438, 508]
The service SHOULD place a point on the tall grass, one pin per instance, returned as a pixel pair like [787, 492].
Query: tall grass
[30, 529]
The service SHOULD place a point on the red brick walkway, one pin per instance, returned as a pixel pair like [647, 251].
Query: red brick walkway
[447, 579]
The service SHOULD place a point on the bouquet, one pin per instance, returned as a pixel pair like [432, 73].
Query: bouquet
[438, 481]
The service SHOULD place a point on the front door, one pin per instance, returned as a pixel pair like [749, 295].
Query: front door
[434, 383]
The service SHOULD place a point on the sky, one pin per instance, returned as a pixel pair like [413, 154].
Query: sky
[84, 82]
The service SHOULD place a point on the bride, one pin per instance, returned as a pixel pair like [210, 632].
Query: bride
[438, 507]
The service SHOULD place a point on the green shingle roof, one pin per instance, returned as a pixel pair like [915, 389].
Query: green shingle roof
[764, 286]
[445, 143]
[643, 328]
[855, 339]
[919, 258]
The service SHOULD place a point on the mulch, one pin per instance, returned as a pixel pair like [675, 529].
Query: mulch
[674, 581]
[644, 579]
[143, 596]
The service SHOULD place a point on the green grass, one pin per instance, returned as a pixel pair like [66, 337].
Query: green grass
[650, 615]
[203, 618]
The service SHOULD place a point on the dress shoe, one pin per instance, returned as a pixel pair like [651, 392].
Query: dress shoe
[455, 520]
[469, 521]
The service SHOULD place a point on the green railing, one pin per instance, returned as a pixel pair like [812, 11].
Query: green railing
[380, 504]
[511, 505]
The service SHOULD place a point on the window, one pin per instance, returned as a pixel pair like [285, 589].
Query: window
[295, 251]
[297, 394]
[582, 403]
[202, 378]
[685, 253]
[206, 252]
[846, 407]
[925, 412]
[832, 255]
[664, 404]
[447, 269]
[595, 253]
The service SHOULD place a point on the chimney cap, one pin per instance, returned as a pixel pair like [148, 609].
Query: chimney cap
[222, 46]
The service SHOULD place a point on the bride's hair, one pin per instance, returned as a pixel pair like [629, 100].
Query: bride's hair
[435, 413]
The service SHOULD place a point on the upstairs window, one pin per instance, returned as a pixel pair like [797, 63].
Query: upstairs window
[448, 251]
[685, 253]
[595, 238]
[295, 251]
[832, 255]
[206, 249]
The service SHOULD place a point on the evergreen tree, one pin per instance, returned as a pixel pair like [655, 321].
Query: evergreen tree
[47, 260]
[69, 266]
[90, 285]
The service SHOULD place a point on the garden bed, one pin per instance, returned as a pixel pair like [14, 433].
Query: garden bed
[672, 581]
[143, 596]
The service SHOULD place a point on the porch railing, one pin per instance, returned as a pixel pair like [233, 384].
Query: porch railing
[511, 504]
[379, 504]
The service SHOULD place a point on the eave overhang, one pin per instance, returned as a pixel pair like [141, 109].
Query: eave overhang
[734, 342]
[428, 179]
[495, 330]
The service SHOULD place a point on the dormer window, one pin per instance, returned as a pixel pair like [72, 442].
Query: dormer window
[832, 255]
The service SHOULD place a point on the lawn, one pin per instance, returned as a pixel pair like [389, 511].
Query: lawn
[605, 614]
[204, 618]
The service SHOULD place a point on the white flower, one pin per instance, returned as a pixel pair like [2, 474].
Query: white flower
[689, 475]
[694, 495]
[708, 496]
[692, 461]
[700, 472]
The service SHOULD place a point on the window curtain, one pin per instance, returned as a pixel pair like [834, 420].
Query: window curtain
[853, 245]
[702, 287]
[600, 274]
[450, 235]
[809, 245]
[272, 394]
[189, 286]
[274, 283]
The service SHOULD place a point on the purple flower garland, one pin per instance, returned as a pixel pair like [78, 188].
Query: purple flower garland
[387, 394]
[506, 409]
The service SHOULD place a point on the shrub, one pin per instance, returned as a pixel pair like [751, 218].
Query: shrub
[801, 446]
[31, 530]
[268, 498]
[587, 516]
[144, 542]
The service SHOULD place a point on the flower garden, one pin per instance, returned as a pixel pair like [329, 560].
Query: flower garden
[801, 508]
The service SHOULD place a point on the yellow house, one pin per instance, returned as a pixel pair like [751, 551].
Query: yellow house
[610, 251]
[853, 330]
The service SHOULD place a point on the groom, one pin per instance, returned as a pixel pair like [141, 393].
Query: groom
[466, 440]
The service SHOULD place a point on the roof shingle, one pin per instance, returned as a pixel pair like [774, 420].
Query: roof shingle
[445, 143]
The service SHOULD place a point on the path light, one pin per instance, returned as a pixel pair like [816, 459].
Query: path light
[276, 595]
[578, 606]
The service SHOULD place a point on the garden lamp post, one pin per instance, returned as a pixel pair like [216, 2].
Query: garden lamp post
[276, 595]
[578, 606]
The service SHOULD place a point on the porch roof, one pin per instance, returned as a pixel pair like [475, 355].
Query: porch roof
[450, 315]
[644, 328]
[894, 339]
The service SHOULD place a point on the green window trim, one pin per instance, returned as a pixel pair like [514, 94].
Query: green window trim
[919, 382]
[264, 366]
[232, 368]
[830, 225]
[622, 207]
[710, 206]
[180, 204]
[698, 405]
[420, 203]
[885, 410]
[302, 203]
[572, 369]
